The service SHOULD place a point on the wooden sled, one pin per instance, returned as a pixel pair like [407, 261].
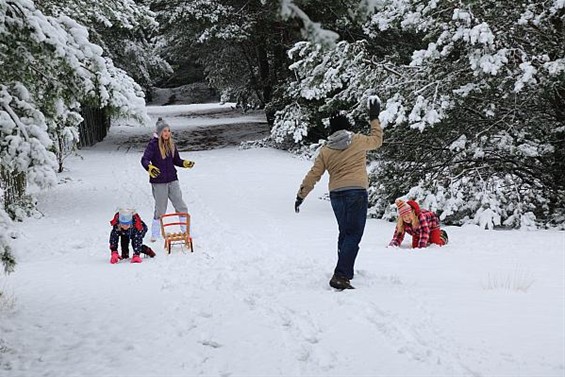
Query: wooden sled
[168, 227]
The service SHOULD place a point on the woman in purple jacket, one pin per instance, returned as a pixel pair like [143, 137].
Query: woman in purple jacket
[159, 159]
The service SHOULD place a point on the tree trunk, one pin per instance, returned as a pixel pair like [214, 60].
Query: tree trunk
[95, 126]
[13, 184]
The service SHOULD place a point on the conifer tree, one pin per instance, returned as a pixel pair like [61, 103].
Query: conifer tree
[125, 29]
[49, 70]
[473, 111]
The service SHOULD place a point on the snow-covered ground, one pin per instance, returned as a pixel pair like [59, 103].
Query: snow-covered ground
[253, 299]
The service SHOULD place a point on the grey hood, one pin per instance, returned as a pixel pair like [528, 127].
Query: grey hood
[340, 140]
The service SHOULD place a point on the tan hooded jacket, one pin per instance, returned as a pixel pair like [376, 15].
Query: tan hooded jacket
[345, 159]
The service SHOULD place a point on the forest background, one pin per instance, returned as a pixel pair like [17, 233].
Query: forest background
[473, 91]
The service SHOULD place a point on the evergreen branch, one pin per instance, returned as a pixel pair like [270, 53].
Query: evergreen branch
[16, 120]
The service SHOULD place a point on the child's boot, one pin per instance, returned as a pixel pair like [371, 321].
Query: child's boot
[136, 259]
[147, 251]
[155, 230]
[115, 258]
[444, 237]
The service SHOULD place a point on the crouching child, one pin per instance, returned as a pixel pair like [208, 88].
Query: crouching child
[127, 227]
[421, 224]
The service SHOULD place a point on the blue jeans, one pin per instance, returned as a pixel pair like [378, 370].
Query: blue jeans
[350, 209]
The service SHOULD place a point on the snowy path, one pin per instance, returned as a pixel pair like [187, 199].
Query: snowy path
[253, 299]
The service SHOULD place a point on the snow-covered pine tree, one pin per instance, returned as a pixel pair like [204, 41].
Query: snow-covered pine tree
[240, 44]
[488, 107]
[125, 29]
[474, 105]
[49, 69]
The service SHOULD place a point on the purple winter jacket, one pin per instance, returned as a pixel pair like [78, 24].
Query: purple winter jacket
[152, 155]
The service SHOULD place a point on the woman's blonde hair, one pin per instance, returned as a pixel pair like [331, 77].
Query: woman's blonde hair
[167, 147]
[400, 223]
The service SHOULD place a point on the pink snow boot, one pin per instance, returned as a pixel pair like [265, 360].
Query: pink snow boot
[115, 257]
[136, 259]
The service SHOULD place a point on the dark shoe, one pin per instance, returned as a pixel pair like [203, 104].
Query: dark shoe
[443, 236]
[340, 282]
[147, 251]
[125, 254]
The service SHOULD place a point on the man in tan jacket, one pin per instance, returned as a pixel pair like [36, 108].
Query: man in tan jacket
[345, 158]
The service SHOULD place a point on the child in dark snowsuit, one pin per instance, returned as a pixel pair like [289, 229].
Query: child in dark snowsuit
[127, 226]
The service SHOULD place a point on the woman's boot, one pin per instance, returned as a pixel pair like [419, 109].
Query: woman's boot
[155, 230]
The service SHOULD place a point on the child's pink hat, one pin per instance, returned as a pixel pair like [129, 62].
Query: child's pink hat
[403, 208]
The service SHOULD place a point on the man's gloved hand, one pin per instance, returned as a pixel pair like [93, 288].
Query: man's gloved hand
[188, 164]
[153, 171]
[297, 203]
[374, 105]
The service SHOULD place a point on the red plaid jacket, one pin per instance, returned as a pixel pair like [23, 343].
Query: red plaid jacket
[420, 235]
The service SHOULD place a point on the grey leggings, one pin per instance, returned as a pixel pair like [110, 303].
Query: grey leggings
[162, 192]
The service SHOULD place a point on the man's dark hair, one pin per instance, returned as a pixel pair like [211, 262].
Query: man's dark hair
[339, 122]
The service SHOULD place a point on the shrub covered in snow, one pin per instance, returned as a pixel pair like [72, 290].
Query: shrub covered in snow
[49, 68]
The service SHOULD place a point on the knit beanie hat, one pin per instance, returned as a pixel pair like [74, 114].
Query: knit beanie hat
[415, 206]
[160, 125]
[125, 217]
[339, 122]
[403, 208]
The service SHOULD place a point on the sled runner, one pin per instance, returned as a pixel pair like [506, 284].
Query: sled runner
[176, 232]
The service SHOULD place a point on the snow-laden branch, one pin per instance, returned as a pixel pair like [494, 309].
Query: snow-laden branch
[313, 31]
[16, 120]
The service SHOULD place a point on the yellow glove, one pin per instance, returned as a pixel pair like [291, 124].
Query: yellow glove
[188, 164]
[153, 171]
